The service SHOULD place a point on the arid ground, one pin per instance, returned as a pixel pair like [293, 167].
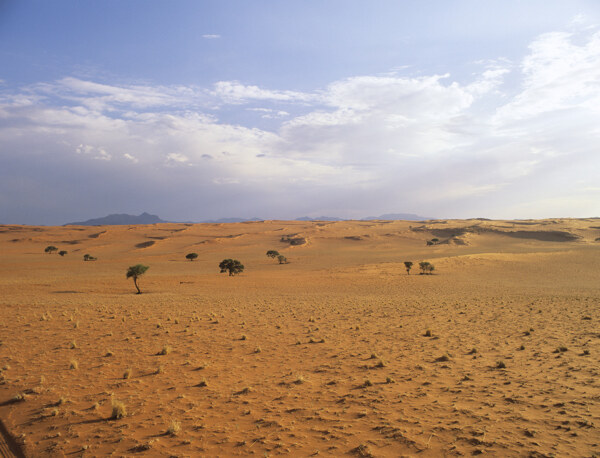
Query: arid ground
[338, 352]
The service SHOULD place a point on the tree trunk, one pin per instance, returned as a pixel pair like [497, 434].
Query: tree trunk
[136, 285]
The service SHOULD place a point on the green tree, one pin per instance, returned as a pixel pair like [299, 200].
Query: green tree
[233, 266]
[282, 259]
[50, 249]
[135, 272]
[272, 254]
[408, 265]
[88, 257]
[62, 252]
[426, 268]
[191, 256]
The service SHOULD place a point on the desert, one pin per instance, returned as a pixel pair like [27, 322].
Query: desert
[337, 352]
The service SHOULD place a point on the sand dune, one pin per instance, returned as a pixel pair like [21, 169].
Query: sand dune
[339, 352]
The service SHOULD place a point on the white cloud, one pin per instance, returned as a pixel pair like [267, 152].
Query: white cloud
[103, 155]
[235, 92]
[387, 138]
[177, 157]
[559, 75]
[133, 159]
[210, 36]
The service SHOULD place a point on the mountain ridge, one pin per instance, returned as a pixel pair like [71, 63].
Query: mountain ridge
[119, 219]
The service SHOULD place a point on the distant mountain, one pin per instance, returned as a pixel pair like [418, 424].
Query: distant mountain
[146, 218]
[399, 216]
[319, 218]
[120, 219]
[232, 220]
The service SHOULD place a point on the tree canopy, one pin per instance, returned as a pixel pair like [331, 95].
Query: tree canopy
[426, 268]
[50, 249]
[135, 272]
[272, 253]
[233, 266]
[191, 256]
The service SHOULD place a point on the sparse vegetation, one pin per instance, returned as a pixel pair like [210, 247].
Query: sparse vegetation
[174, 428]
[282, 259]
[165, 350]
[62, 252]
[50, 249]
[233, 266]
[272, 254]
[88, 257]
[118, 410]
[191, 256]
[135, 272]
[408, 265]
[426, 267]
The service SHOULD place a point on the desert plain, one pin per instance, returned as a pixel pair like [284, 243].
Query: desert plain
[339, 352]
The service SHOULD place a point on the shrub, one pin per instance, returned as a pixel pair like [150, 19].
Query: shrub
[426, 268]
[50, 249]
[118, 410]
[272, 254]
[282, 259]
[62, 252]
[233, 266]
[191, 256]
[408, 265]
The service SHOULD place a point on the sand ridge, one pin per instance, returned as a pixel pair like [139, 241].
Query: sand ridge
[339, 352]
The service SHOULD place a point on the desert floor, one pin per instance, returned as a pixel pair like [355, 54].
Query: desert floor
[338, 352]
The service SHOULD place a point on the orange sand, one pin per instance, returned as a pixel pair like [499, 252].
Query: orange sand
[285, 350]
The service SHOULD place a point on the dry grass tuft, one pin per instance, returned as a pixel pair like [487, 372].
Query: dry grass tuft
[165, 350]
[118, 410]
[174, 428]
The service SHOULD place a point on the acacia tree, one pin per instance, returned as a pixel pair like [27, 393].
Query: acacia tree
[88, 257]
[233, 266]
[62, 252]
[282, 259]
[272, 254]
[50, 249]
[426, 268]
[135, 272]
[408, 265]
[191, 256]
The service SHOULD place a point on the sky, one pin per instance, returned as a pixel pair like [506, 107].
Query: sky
[196, 110]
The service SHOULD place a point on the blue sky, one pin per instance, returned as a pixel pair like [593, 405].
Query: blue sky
[205, 109]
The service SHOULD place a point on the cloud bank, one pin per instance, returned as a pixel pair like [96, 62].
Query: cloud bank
[516, 140]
